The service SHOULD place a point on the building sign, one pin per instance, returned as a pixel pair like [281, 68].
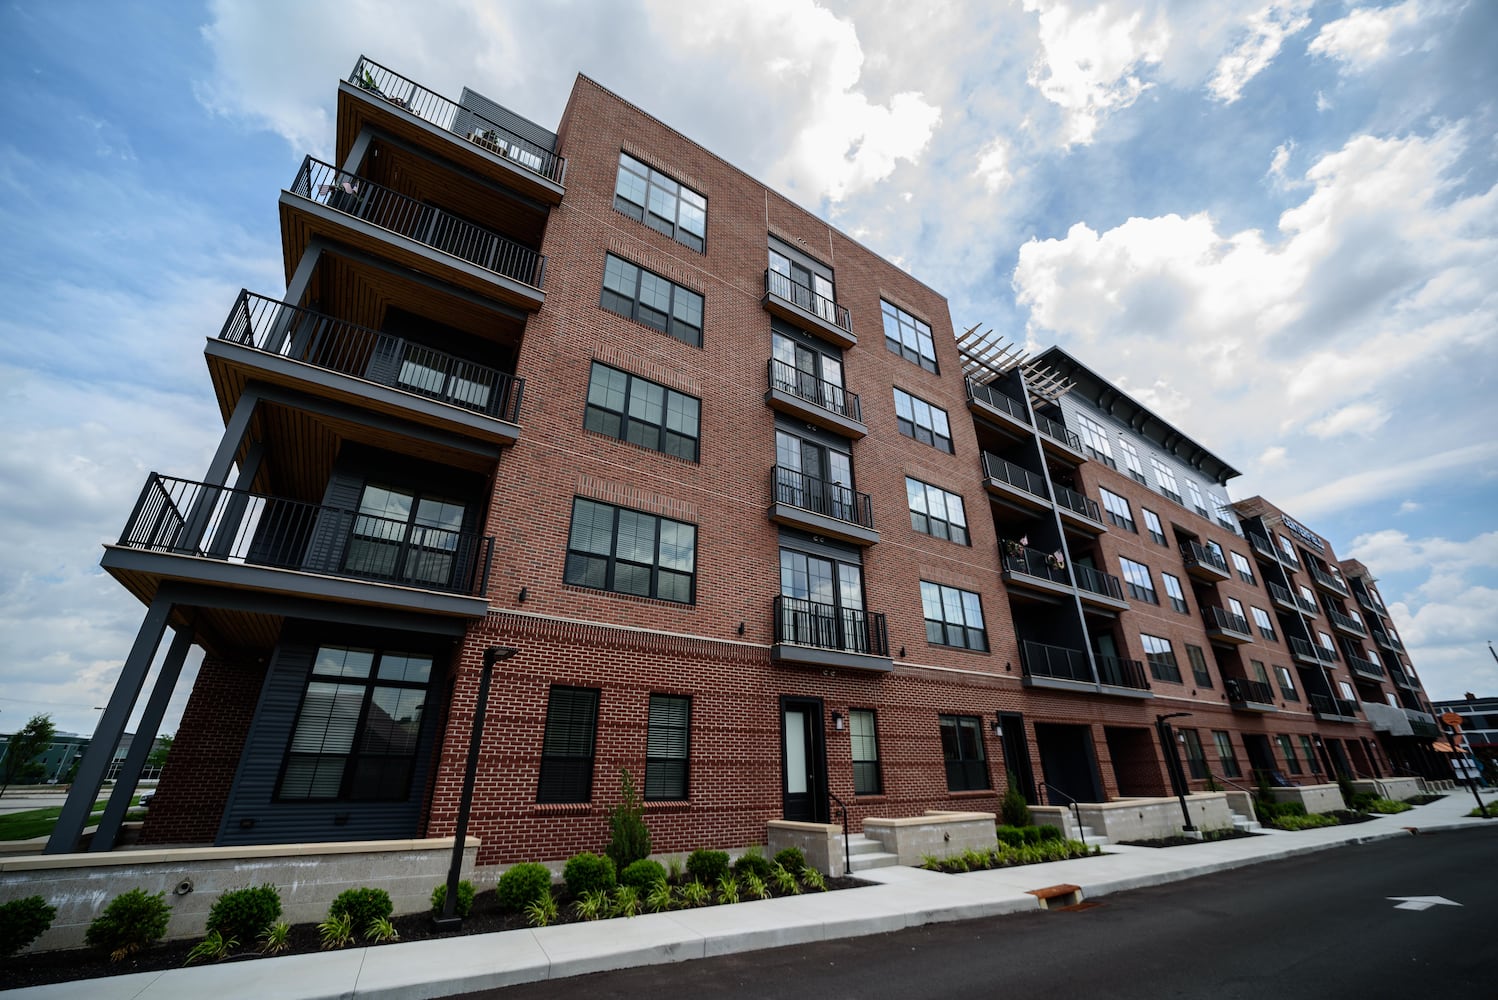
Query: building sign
[1303, 533]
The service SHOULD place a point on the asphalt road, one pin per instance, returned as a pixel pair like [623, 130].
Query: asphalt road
[1317, 926]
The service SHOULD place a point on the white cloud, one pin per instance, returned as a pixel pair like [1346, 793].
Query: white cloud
[1364, 37]
[1280, 161]
[993, 166]
[1357, 418]
[1410, 507]
[1272, 456]
[1266, 32]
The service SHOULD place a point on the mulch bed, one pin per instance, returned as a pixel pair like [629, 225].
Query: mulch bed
[1182, 841]
[486, 918]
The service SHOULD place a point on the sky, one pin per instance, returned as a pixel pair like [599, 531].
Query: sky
[1275, 223]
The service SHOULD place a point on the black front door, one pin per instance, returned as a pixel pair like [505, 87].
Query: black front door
[1068, 763]
[1261, 759]
[803, 760]
[1017, 753]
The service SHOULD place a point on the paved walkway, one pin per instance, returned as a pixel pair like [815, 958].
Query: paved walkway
[904, 897]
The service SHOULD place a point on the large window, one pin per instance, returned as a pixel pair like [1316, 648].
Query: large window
[918, 419]
[1156, 529]
[356, 731]
[1266, 627]
[865, 739]
[1199, 672]
[1165, 478]
[1175, 593]
[1137, 580]
[647, 298]
[634, 409]
[908, 337]
[1195, 758]
[800, 283]
[666, 744]
[1245, 571]
[1197, 503]
[1287, 683]
[567, 748]
[1313, 763]
[962, 749]
[1131, 459]
[614, 548]
[812, 476]
[1161, 657]
[1118, 510]
[935, 512]
[953, 617]
[1287, 751]
[822, 602]
[651, 197]
[813, 375]
[403, 536]
[1227, 754]
[1095, 436]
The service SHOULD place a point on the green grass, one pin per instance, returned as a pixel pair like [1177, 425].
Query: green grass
[39, 822]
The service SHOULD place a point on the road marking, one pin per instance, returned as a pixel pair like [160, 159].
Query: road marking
[1421, 902]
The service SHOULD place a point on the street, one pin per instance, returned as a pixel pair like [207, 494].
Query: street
[1363, 921]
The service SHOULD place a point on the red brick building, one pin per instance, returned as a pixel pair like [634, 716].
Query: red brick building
[724, 492]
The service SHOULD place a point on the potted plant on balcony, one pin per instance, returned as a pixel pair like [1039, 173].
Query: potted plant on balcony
[1054, 560]
[1013, 549]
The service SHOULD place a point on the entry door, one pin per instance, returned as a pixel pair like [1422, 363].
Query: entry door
[1017, 753]
[804, 762]
[1261, 758]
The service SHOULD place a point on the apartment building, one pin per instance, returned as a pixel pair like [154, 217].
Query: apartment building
[716, 493]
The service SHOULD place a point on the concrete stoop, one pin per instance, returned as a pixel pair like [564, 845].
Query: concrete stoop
[1245, 825]
[865, 852]
[1093, 838]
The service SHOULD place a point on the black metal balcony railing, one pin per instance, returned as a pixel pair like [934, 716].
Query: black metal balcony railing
[1006, 471]
[380, 206]
[1307, 605]
[1347, 622]
[1056, 662]
[826, 626]
[1387, 639]
[821, 497]
[1364, 666]
[1118, 672]
[290, 331]
[1033, 562]
[1242, 691]
[197, 519]
[782, 287]
[1056, 430]
[1200, 555]
[998, 400]
[1323, 704]
[1074, 501]
[1281, 595]
[1326, 579]
[1311, 650]
[1221, 618]
[1098, 582]
[1366, 601]
[453, 117]
[1262, 545]
[817, 391]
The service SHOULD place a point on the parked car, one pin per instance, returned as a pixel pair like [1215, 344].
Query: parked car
[145, 800]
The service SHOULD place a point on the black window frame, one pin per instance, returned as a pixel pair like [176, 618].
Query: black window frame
[1287, 751]
[627, 420]
[867, 776]
[611, 560]
[1313, 763]
[1286, 682]
[1178, 599]
[1139, 591]
[1122, 519]
[1163, 666]
[896, 345]
[964, 773]
[1239, 562]
[671, 324]
[665, 735]
[1260, 617]
[1222, 739]
[1200, 672]
[919, 517]
[568, 777]
[912, 428]
[644, 213]
[1196, 755]
[947, 631]
[1158, 537]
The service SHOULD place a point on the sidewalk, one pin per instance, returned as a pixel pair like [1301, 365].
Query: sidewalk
[905, 897]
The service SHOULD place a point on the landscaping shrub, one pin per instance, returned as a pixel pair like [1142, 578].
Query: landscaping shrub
[244, 914]
[132, 921]
[1362, 801]
[707, 866]
[1388, 807]
[522, 885]
[1305, 822]
[588, 872]
[791, 859]
[1013, 808]
[22, 921]
[363, 906]
[462, 906]
[631, 838]
[1013, 836]
[643, 874]
[752, 861]
[1049, 833]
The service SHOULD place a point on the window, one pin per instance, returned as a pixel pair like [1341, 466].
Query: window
[1256, 667]
[357, 728]
[920, 420]
[666, 744]
[1165, 478]
[823, 602]
[1137, 579]
[1226, 753]
[1195, 758]
[1287, 683]
[567, 748]
[1307, 599]
[651, 197]
[1245, 570]
[1118, 510]
[1095, 436]
[1197, 503]
[403, 536]
[1222, 511]
[800, 284]
[812, 476]
[1174, 592]
[908, 337]
[1156, 529]
[647, 298]
[625, 551]
[962, 749]
[1161, 657]
[1131, 459]
[1287, 751]
[810, 374]
[1266, 627]
[953, 617]
[865, 739]
[633, 409]
[1236, 607]
[1288, 549]
[1199, 671]
[1328, 645]
[1221, 559]
[1348, 694]
[1311, 760]
[935, 512]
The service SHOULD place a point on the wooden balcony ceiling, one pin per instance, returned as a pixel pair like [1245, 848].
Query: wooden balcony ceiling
[221, 631]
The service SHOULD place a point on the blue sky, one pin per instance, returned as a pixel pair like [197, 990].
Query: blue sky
[1275, 222]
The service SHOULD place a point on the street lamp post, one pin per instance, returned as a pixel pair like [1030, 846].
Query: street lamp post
[1173, 762]
[448, 919]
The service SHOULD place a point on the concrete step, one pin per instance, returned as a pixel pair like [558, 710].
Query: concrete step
[860, 844]
[1094, 839]
[880, 859]
[1245, 825]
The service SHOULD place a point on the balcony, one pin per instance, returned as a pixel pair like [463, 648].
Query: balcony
[1224, 626]
[1035, 570]
[1204, 564]
[797, 304]
[1263, 546]
[1245, 695]
[1347, 623]
[1068, 669]
[1364, 667]
[379, 97]
[349, 209]
[1330, 709]
[1059, 440]
[1387, 639]
[1403, 679]
[1366, 601]
[1015, 486]
[282, 344]
[822, 635]
[1327, 581]
[999, 407]
[820, 507]
[202, 534]
[1078, 510]
[1099, 589]
[1282, 597]
[1127, 676]
[1423, 725]
[1309, 653]
[801, 394]
[1307, 606]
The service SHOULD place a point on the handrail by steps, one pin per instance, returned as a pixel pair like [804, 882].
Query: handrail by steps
[847, 851]
[1073, 803]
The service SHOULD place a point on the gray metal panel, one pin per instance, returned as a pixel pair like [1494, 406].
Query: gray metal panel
[817, 657]
[503, 116]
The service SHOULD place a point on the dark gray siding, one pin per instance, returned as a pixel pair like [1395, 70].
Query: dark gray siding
[505, 118]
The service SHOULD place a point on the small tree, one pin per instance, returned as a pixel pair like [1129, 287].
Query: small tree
[159, 750]
[1013, 807]
[33, 738]
[631, 841]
